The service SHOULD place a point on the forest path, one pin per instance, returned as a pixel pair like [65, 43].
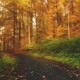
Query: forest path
[31, 68]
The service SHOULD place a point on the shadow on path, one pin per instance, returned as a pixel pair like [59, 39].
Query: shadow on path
[35, 69]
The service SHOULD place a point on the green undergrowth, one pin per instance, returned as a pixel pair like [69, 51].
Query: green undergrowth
[73, 61]
[7, 65]
[63, 50]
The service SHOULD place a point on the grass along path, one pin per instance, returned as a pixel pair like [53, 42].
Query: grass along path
[67, 60]
[66, 64]
[8, 64]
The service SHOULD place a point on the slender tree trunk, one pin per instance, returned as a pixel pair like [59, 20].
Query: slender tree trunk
[4, 43]
[14, 34]
[50, 32]
[7, 45]
[30, 30]
[19, 33]
[14, 29]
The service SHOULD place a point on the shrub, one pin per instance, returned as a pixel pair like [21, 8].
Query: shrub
[59, 45]
[7, 65]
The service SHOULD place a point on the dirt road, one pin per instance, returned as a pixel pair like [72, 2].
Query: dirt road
[31, 68]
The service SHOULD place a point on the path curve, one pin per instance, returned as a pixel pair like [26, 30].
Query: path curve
[31, 68]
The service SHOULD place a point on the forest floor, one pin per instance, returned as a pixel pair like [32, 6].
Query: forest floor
[35, 68]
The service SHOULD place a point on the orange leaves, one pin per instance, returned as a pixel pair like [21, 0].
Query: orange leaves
[50, 12]
[75, 31]
[61, 31]
[24, 42]
[23, 3]
[74, 18]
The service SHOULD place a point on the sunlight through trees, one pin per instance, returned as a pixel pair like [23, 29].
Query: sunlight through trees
[29, 21]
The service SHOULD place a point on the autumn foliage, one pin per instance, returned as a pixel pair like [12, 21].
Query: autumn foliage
[26, 22]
